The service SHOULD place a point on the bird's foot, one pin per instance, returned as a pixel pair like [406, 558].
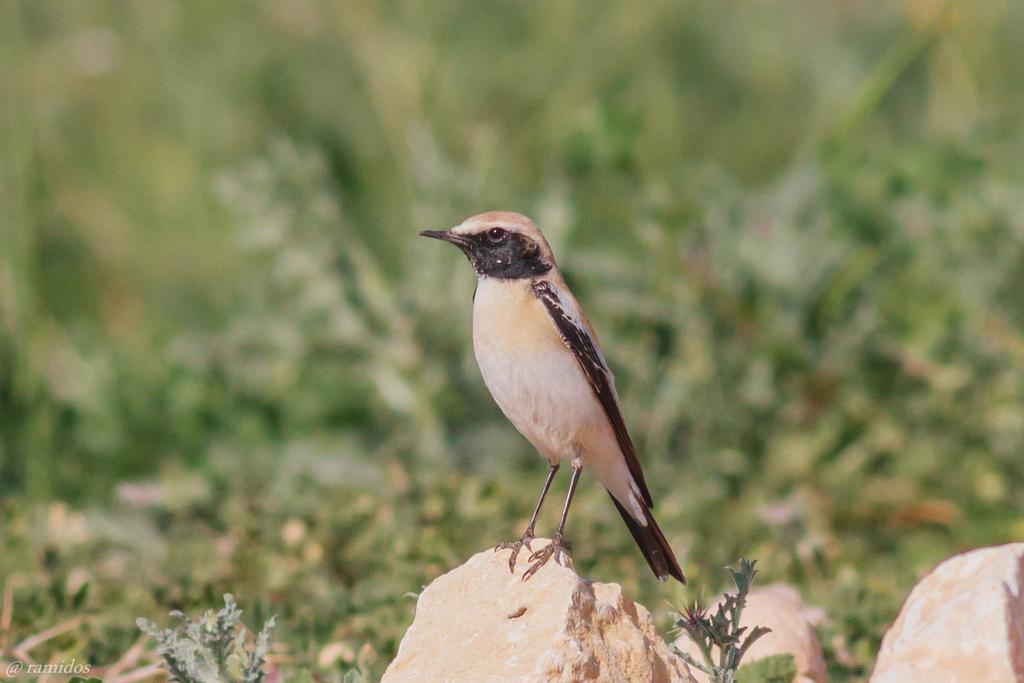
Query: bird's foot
[515, 547]
[558, 547]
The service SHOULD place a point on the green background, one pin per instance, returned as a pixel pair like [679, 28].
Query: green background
[228, 364]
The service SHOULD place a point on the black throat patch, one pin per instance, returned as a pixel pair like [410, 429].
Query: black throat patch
[512, 258]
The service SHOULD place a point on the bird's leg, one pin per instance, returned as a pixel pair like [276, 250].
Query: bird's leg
[527, 536]
[558, 545]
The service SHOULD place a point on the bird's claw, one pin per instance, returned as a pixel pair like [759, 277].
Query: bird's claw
[558, 547]
[515, 547]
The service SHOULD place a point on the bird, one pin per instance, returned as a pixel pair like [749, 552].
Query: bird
[541, 361]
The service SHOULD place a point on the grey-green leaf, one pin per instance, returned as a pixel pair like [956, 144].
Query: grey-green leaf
[771, 669]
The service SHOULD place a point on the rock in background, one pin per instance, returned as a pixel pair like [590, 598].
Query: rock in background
[963, 622]
[480, 623]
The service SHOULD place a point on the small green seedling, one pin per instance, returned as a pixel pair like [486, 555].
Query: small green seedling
[720, 633]
[212, 649]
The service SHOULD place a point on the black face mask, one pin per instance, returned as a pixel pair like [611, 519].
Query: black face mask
[498, 253]
[504, 255]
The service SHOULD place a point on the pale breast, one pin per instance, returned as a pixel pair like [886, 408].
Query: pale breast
[534, 379]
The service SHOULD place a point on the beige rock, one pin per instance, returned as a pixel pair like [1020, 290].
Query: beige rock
[962, 622]
[779, 608]
[479, 623]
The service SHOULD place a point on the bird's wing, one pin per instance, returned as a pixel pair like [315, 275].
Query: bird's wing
[579, 339]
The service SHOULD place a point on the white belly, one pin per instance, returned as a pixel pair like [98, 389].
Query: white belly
[534, 379]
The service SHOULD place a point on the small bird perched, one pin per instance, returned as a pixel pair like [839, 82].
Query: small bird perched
[540, 360]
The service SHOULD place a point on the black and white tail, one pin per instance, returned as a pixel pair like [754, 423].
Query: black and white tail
[652, 543]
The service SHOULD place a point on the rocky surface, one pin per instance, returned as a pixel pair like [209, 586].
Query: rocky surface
[482, 624]
[963, 622]
[779, 608]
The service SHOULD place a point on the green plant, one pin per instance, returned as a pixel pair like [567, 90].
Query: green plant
[770, 669]
[722, 631]
[212, 649]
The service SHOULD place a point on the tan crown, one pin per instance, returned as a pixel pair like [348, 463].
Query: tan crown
[507, 220]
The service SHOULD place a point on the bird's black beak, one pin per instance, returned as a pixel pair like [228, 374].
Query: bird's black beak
[447, 236]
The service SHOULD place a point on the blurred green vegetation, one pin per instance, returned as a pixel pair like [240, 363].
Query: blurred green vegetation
[227, 364]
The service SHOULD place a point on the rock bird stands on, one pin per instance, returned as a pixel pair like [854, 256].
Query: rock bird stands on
[540, 360]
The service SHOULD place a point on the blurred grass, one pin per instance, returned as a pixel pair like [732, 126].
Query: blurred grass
[227, 364]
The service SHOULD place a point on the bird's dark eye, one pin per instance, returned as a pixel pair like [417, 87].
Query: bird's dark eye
[496, 234]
